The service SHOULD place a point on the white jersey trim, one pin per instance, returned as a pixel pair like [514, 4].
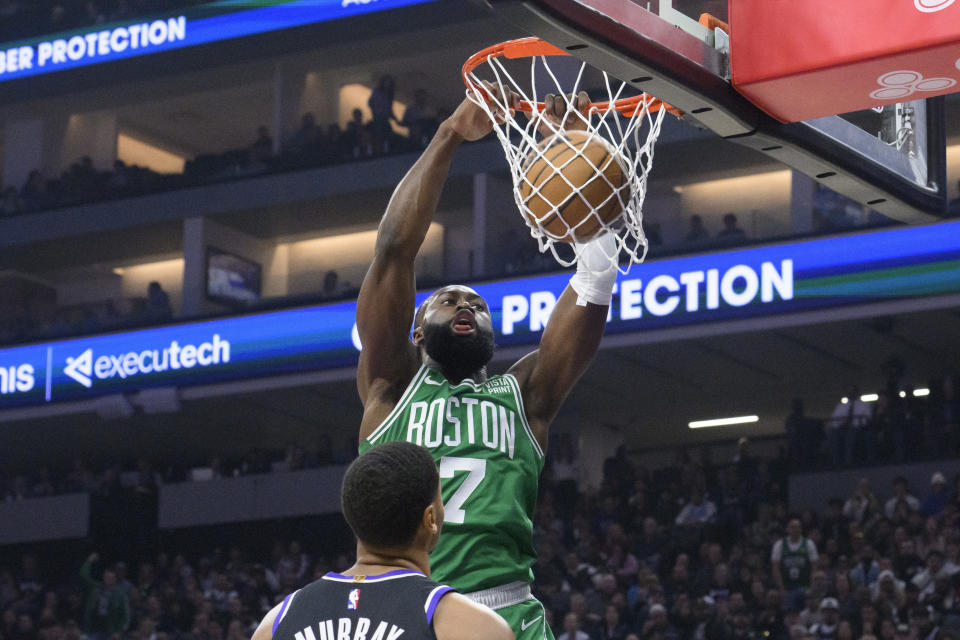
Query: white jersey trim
[397, 408]
[285, 610]
[433, 599]
[518, 397]
[369, 579]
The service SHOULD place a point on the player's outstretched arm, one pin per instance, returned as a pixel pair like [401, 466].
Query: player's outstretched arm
[568, 345]
[385, 303]
[459, 618]
[572, 337]
[385, 306]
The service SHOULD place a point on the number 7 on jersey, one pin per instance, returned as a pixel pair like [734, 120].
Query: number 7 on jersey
[476, 469]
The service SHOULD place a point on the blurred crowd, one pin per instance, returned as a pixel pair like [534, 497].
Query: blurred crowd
[704, 551]
[311, 145]
[29, 18]
[214, 596]
[142, 476]
[35, 315]
[696, 550]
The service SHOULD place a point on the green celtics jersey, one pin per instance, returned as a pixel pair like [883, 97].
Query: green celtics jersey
[795, 565]
[489, 467]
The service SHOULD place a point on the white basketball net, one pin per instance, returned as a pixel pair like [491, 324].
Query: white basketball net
[630, 138]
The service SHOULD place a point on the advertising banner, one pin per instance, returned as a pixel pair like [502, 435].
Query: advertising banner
[203, 24]
[732, 285]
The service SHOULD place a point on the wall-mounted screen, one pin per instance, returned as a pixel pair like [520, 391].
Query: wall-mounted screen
[232, 280]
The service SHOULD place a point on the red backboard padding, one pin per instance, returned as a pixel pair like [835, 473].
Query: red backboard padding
[806, 59]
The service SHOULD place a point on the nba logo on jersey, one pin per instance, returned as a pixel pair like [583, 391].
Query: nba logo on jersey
[353, 600]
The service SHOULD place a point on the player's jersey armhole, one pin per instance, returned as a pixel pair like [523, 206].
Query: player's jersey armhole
[398, 408]
[284, 608]
[433, 599]
[518, 397]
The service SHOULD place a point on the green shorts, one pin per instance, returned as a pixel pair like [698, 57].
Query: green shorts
[528, 620]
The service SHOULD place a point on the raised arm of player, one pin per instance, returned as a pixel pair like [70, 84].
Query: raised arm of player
[567, 347]
[573, 334]
[389, 360]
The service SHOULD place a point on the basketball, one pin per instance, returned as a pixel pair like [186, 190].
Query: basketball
[572, 186]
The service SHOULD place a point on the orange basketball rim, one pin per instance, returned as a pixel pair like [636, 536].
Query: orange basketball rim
[535, 47]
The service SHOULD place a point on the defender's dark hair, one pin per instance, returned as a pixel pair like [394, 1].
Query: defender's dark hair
[385, 491]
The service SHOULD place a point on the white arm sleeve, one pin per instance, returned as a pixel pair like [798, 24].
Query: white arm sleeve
[777, 552]
[596, 271]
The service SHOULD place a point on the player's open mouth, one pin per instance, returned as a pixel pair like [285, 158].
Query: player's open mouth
[464, 322]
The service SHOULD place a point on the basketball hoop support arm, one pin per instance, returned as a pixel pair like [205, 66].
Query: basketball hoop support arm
[656, 56]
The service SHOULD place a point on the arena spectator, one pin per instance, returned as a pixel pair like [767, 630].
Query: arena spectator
[901, 494]
[331, 285]
[810, 615]
[887, 593]
[306, 138]
[849, 418]
[866, 572]
[698, 511]
[731, 234]
[791, 561]
[381, 106]
[936, 500]
[34, 194]
[926, 579]
[107, 610]
[697, 233]
[826, 628]
[861, 503]
[612, 627]
[158, 303]
[571, 628]
[420, 119]
[907, 563]
[358, 138]
[657, 626]
[922, 624]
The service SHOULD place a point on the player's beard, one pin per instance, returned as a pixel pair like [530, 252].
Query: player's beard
[460, 354]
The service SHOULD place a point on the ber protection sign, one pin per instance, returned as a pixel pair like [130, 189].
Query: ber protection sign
[203, 24]
[731, 285]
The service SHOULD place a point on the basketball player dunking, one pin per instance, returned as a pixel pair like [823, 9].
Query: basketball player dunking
[487, 434]
[391, 500]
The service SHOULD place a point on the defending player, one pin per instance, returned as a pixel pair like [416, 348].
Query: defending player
[486, 434]
[391, 500]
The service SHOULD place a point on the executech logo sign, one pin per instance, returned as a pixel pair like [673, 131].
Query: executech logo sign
[88, 366]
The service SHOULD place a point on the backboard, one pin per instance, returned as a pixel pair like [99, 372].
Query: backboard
[890, 159]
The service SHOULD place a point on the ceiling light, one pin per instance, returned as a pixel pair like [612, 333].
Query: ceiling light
[844, 400]
[903, 394]
[919, 393]
[869, 397]
[722, 422]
